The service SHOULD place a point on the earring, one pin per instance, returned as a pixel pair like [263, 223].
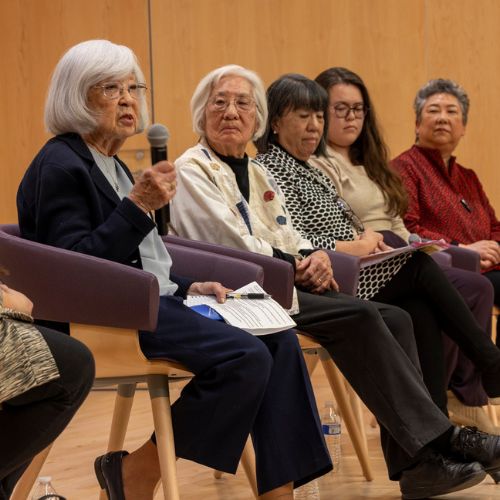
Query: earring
[275, 132]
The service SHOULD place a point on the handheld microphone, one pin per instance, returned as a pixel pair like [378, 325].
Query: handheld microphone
[158, 136]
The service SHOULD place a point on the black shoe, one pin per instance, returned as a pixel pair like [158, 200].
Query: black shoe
[469, 444]
[437, 475]
[108, 469]
[495, 476]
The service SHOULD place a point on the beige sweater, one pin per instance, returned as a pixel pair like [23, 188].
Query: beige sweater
[363, 195]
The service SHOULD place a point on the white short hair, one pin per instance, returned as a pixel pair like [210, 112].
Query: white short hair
[208, 82]
[81, 67]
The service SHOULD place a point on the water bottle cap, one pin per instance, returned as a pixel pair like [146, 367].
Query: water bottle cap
[45, 479]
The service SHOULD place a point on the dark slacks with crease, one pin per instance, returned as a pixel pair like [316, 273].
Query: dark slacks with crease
[31, 421]
[243, 384]
[462, 377]
[442, 308]
[494, 278]
[374, 347]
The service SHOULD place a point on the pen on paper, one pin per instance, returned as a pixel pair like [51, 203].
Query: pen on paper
[232, 295]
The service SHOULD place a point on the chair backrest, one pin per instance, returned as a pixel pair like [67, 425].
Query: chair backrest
[67, 286]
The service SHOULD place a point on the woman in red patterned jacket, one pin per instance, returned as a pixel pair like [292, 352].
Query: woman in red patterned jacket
[447, 200]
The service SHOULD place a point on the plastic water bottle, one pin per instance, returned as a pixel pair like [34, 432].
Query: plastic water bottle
[330, 422]
[308, 491]
[44, 490]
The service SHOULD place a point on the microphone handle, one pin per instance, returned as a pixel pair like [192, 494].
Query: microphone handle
[162, 215]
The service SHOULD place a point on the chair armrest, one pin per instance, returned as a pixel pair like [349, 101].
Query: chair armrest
[71, 287]
[444, 259]
[464, 258]
[278, 274]
[205, 266]
[345, 271]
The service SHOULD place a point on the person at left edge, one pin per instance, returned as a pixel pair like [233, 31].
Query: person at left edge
[78, 195]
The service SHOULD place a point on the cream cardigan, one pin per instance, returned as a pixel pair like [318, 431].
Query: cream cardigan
[209, 206]
[363, 195]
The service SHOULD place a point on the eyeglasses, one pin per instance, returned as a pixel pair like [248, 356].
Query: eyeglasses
[241, 103]
[342, 110]
[349, 215]
[114, 90]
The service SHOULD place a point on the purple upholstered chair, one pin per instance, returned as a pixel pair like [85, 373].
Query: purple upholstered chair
[105, 304]
[279, 282]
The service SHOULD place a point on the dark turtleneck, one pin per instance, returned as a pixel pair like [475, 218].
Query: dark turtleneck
[239, 166]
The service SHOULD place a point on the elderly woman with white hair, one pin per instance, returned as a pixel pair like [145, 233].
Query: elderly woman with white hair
[78, 195]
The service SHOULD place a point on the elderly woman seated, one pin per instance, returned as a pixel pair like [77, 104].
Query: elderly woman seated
[462, 213]
[43, 394]
[78, 195]
[228, 198]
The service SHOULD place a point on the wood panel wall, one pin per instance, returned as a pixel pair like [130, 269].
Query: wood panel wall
[395, 45]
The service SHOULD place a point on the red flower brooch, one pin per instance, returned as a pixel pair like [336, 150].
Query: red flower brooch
[269, 195]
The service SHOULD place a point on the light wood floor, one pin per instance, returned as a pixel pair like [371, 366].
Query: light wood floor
[70, 462]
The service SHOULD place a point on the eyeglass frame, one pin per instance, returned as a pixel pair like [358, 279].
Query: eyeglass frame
[139, 87]
[349, 214]
[355, 108]
[228, 102]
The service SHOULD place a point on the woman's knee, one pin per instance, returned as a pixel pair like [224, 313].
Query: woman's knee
[74, 361]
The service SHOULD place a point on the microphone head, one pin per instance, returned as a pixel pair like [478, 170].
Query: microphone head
[158, 135]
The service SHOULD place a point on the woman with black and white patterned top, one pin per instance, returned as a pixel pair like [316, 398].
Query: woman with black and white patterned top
[295, 131]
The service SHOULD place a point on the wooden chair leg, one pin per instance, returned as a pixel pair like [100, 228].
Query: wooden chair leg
[357, 409]
[162, 418]
[248, 464]
[121, 415]
[119, 423]
[26, 481]
[335, 379]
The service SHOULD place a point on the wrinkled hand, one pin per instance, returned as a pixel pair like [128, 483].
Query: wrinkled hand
[155, 187]
[371, 239]
[383, 247]
[488, 250]
[13, 299]
[209, 288]
[315, 273]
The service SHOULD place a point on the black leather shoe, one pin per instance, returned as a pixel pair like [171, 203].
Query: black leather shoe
[495, 476]
[108, 469]
[437, 475]
[469, 444]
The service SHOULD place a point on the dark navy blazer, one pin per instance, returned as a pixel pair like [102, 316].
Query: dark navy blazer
[65, 200]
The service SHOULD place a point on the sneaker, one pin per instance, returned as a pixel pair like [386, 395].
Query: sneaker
[437, 475]
[470, 444]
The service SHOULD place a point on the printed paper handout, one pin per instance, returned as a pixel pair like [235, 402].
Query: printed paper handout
[256, 316]
[429, 247]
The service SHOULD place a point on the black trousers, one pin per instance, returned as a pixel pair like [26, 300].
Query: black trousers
[243, 385]
[462, 377]
[31, 421]
[421, 279]
[494, 277]
[374, 347]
